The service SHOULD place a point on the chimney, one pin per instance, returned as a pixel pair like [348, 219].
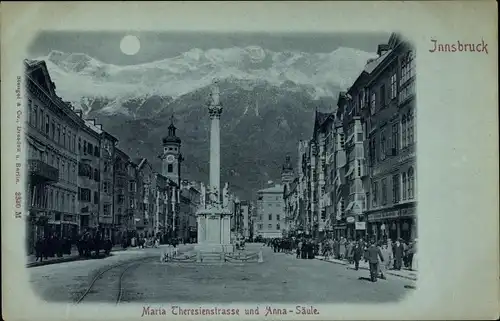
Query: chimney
[382, 49]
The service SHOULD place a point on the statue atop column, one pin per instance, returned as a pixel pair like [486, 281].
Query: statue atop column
[203, 194]
[214, 197]
[225, 195]
[214, 105]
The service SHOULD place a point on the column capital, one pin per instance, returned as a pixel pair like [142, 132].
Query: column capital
[214, 111]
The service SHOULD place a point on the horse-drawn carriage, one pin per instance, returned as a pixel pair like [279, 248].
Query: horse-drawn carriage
[89, 244]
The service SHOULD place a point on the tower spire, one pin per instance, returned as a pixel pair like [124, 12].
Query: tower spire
[171, 128]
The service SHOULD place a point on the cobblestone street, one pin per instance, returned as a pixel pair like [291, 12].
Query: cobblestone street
[280, 278]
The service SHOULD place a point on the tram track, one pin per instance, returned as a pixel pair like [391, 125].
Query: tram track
[115, 272]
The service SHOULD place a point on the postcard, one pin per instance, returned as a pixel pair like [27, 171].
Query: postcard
[250, 160]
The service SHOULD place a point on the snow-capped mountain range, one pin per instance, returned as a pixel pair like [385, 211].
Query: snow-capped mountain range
[80, 79]
[269, 100]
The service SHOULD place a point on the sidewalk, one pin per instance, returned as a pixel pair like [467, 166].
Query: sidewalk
[31, 262]
[403, 273]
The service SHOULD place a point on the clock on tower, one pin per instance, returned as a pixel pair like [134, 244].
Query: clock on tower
[171, 156]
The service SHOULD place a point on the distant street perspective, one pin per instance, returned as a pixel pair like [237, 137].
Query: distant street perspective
[214, 169]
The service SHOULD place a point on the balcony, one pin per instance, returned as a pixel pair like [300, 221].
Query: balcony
[42, 171]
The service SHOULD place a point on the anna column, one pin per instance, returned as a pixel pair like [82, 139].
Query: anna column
[215, 112]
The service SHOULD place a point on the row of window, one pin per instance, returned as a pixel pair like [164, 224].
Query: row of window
[88, 148]
[51, 198]
[61, 134]
[399, 139]
[403, 188]
[50, 126]
[85, 195]
[107, 187]
[270, 217]
[260, 226]
[369, 98]
[66, 167]
[85, 170]
[270, 198]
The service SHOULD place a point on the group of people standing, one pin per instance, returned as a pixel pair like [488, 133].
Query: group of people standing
[51, 246]
[305, 248]
[381, 256]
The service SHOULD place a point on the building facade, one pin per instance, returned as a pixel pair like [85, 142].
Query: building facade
[245, 209]
[160, 193]
[339, 224]
[124, 198]
[291, 203]
[302, 219]
[190, 203]
[390, 124]
[80, 181]
[89, 176]
[270, 212]
[106, 217]
[356, 177]
[44, 189]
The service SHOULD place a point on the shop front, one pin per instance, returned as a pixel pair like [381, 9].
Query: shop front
[350, 227]
[393, 224]
[360, 228]
[408, 223]
[384, 225]
[340, 230]
[37, 227]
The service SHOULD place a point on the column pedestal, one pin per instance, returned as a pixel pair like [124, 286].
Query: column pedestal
[214, 231]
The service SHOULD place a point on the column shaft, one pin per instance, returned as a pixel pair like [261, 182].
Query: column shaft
[215, 154]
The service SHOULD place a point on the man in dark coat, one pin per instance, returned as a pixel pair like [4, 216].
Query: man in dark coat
[357, 252]
[373, 254]
[39, 249]
[398, 255]
[336, 249]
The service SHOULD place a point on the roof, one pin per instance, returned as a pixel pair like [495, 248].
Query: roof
[90, 123]
[121, 153]
[371, 65]
[319, 119]
[48, 84]
[140, 162]
[278, 188]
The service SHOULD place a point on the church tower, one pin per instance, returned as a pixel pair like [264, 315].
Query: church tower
[287, 172]
[171, 156]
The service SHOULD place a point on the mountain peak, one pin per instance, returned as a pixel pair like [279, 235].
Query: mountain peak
[79, 75]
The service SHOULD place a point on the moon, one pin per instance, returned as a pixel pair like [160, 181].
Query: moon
[130, 45]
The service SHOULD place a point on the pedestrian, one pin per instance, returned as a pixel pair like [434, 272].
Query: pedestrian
[342, 248]
[349, 251]
[405, 254]
[373, 255]
[398, 254]
[411, 252]
[176, 249]
[336, 249]
[357, 252]
[386, 264]
[39, 249]
[414, 261]
[299, 248]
